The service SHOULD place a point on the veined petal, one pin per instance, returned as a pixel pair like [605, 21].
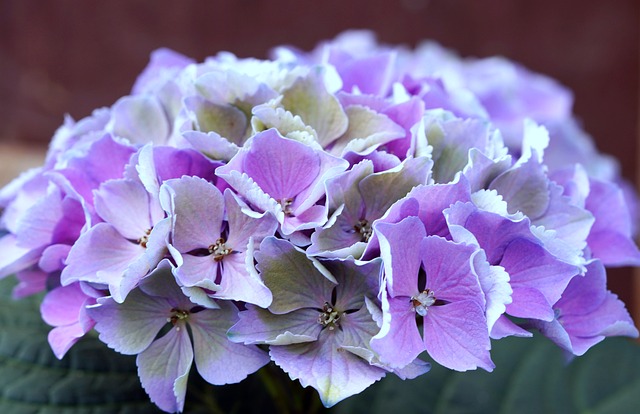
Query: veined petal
[164, 367]
[281, 167]
[197, 207]
[380, 190]
[456, 336]
[131, 326]
[292, 277]
[238, 283]
[219, 360]
[100, 255]
[323, 365]
[399, 341]
[199, 271]
[243, 227]
[259, 326]
[449, 272]
[125, 205]
[400, 256]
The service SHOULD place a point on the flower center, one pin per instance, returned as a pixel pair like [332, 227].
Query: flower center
[142, 241]
[422, 301]
[178, 315]
[285, 204]
[329, 317]
[219, 250]
[364, 228]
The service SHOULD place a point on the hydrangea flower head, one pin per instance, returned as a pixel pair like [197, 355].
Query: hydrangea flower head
[338, 212]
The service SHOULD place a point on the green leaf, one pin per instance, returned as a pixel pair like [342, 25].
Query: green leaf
[531, 376]
[90, 379]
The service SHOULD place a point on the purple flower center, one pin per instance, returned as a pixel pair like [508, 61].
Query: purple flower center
[179, 315]
[285, 204]
[219, 250]
[142, 241]
[329, 317]
[422, 301]
[364, 228]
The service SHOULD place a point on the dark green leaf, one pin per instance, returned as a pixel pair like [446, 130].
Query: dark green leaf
[90, 379]
[531, 376]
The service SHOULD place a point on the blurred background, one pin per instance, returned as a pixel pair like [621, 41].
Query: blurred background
[71, 56]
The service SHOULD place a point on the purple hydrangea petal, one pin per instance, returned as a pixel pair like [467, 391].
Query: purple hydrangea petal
[63, 308]
[131, 326]
[399, 341]
[610, 238]
[529, 264]
[456, 336]
[200, 271]
[399, 254]
[259, 326]
[238, 283]
[371, 74]
[164, 367]
[100, 255]
[525, 188]
[218, 360]
[569, 222]
[381, 160]
[587, 313]
[30, 281]
[529, 302]
[197, 208]
[36, 227]
[62, 338]
[434, 199]
[157, 164]
[62, 305]
[449, 270]
[246, 226]
[512, 245]
[323, 365]
[14, 257]
[280, 264]
[20, 195]
[380, 190]
[494, 281]
[125, 205]
[140, 118]
[406, 114]
[504, 327]
[281, 177]
[156, 249]
[163, 63]
[282, 193]
[104, 159]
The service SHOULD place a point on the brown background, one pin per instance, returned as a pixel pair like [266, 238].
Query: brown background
[67, 56]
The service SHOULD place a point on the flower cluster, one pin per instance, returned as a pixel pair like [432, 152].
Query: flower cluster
[338, 212]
